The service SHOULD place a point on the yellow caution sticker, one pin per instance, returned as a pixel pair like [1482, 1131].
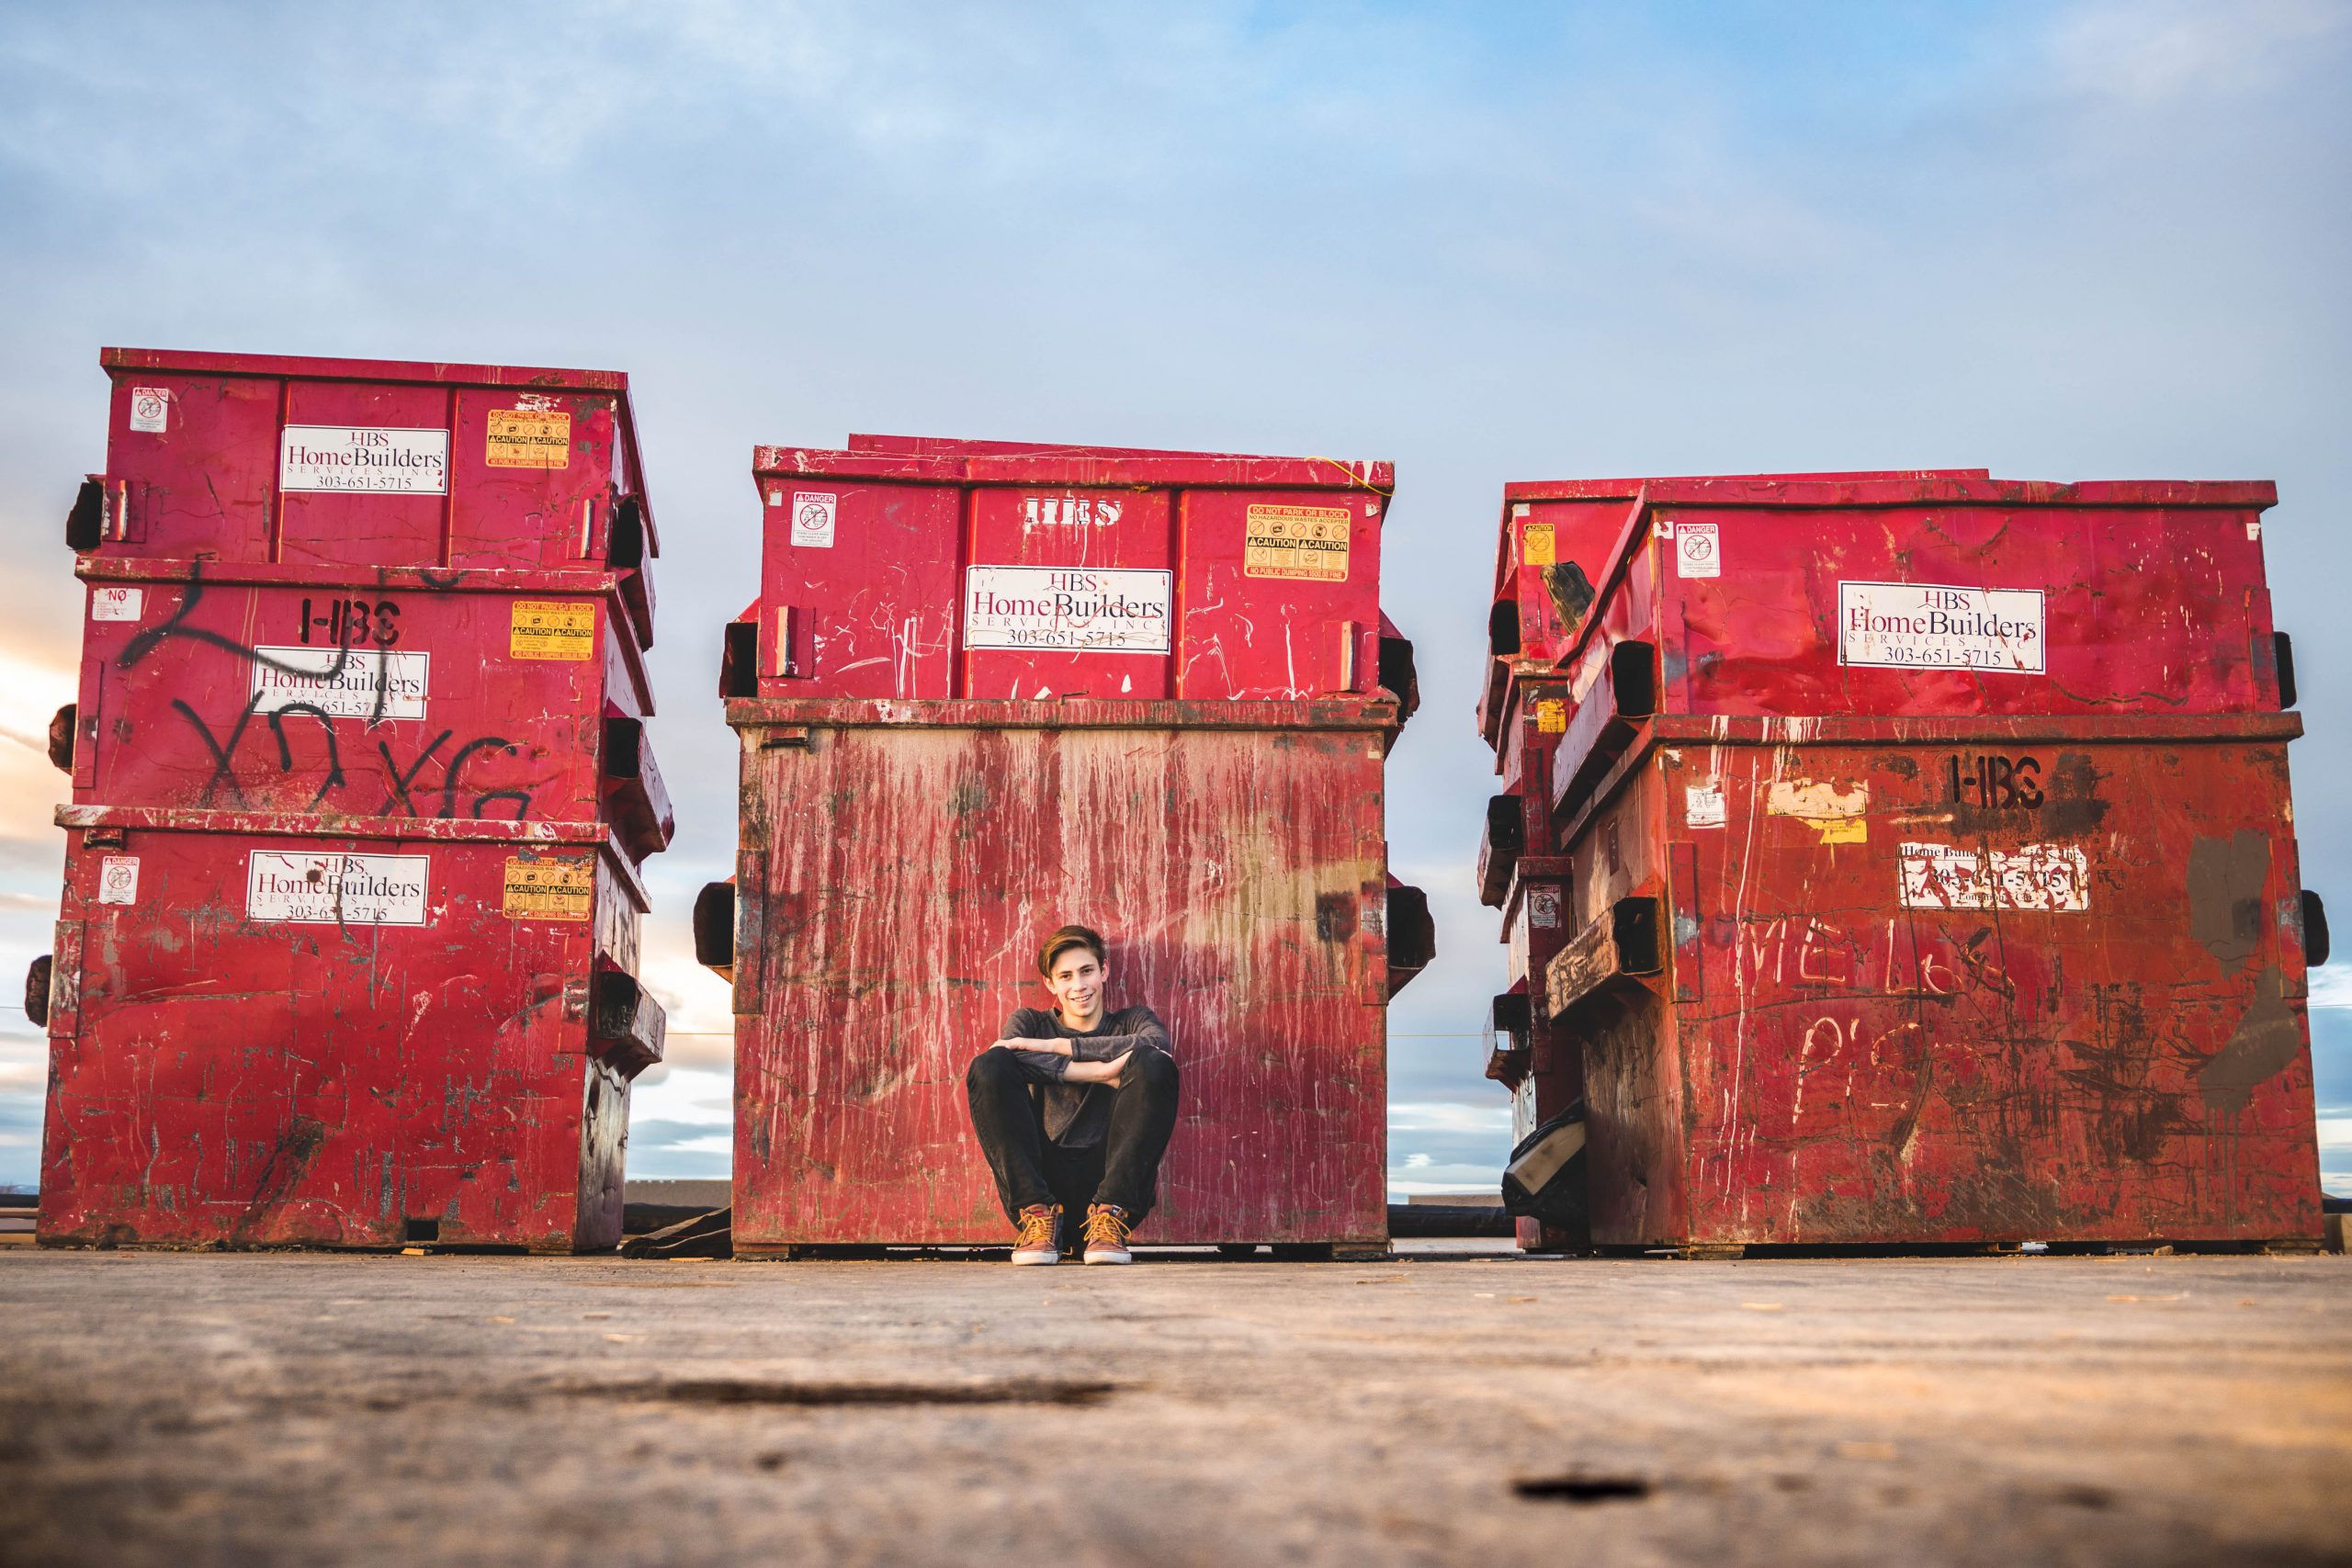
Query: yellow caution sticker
[528, 438]
[550, 889]
[1551, 716]
[545, 629]
[1535, 546]
[1309, 542]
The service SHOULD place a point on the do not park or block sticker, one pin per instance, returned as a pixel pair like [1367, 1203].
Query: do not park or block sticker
[548, 889]
[117, 604]
[1305, 541]
[336, 890]
[543, 628]
[528, 438]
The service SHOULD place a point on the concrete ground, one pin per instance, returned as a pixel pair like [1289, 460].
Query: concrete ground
[199, 1409]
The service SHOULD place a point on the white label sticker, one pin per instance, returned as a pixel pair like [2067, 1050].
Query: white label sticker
[151, 408]
[364, 458]
[336, 890]
[812, 518]
[1097, 610]
[1695, 550]
[117, 604]
[1923, 626]
[119, 879]
[2036, 876]
[1544, 906]
[342, 682]
[1702, 806]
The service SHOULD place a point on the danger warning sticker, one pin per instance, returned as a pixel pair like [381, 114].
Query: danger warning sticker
[528, 438]
[813, 515]
[1697, 551]
[545, 629]
[548, 889]
[1308, 542]
[119, 879]
[1537, 546]
[151, 408]
[1551, 716]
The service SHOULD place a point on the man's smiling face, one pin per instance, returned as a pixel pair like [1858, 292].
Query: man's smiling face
[1077, 983]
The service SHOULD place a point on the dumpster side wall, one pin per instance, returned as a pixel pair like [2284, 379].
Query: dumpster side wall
[243, 1067]
[905, 877]
[1990, 986]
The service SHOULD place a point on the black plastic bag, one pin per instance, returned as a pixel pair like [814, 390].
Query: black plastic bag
[1545, 1180]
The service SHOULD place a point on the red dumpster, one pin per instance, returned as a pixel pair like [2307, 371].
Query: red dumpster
[263, 1035]
[1944, 593]
[1855, 979]
[1971, 919]
[362, 463]
[519, 695]
[360, 782]
[989, 689]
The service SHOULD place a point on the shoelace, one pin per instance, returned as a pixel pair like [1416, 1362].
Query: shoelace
[1036, 1230]
[1107, 1228]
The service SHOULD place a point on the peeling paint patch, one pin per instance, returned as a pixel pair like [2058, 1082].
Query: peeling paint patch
[1837, 815]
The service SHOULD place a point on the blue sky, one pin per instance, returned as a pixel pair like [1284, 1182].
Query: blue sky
[1491, 242]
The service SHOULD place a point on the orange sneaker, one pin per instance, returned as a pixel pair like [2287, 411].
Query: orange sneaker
[1037, 1244]
[1106, 1234]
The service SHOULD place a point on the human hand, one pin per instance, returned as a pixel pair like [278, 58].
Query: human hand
[1051, 1048]
[1098, 1072]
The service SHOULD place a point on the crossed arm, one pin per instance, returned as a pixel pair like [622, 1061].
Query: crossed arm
[1100, 1058]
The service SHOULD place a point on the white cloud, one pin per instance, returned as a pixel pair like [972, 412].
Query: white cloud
[2154, 51]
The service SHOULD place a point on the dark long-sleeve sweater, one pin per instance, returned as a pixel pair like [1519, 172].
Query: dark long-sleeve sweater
[1078, 1115]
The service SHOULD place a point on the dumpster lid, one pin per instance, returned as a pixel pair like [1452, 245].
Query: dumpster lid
[941, 461]
[415, 371]
[315, 367]
[1893, 488]
[1931, 486]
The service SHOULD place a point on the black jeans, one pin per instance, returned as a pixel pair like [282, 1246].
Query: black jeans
[1124, 1168]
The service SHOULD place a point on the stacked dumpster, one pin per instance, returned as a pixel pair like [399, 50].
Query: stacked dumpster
[991, 688]
[360, 788]
[1908, 860]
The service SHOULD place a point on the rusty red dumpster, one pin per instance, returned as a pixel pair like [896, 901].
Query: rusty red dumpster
[1861, 979]
[989, 689]
[1987, 926]
[361, 784]
[518, 696]
[264, 1034]
[362, 463]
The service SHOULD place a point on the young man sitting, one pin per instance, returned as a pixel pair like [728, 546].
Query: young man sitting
[1094, 1133]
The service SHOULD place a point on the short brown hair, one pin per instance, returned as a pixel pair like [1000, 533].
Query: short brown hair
[1062, 941]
